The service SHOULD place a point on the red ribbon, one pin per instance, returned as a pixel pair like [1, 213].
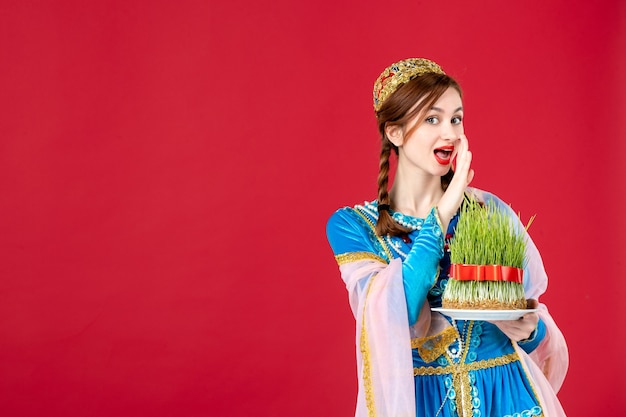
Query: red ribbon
[463, 272]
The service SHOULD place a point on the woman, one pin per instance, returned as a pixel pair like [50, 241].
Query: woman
[393, 257]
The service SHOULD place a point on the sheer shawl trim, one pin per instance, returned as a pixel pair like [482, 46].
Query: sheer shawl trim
[541, 386]
[383, 338]
[551, 356]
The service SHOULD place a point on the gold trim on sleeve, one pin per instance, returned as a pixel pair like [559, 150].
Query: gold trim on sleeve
[345, 258]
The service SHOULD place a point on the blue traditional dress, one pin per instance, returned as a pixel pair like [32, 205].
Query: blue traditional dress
[415, 362]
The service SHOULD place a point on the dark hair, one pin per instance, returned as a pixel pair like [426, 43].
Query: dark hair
[397, 110]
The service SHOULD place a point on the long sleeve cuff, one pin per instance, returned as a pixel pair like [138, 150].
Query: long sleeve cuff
[535, 338]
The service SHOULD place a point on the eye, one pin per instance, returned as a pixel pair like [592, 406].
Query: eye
[433, 120]
[457, 120]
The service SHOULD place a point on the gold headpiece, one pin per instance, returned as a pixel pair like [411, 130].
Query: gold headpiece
[399, 73]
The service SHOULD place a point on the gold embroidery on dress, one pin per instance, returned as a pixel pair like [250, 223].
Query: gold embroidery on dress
[365, 352]
[530, 380]
[373, 227]
[460, 375]
[431, 347]
[348, 257]
[473, 366]
[461, 379]
[460, 371]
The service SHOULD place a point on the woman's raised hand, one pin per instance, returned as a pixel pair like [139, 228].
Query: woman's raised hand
[463, 174]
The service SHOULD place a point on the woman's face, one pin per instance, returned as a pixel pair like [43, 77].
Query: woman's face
[433, 136]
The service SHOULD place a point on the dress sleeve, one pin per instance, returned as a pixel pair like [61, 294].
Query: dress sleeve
[420, 269]
[351, 240]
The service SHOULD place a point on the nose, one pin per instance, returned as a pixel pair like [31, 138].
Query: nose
[448, 132]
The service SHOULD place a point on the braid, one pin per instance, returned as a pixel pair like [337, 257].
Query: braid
[385, 224]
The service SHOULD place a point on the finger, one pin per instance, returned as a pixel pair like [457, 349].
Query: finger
[460, 148]
[531, 317]
[468, 160]
[463, 172]
[464, 156]
[470, 176]
[463, 147]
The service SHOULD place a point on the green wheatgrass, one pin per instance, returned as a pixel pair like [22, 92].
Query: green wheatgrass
[486, 235]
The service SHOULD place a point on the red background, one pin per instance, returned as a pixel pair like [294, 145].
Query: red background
[167, 169]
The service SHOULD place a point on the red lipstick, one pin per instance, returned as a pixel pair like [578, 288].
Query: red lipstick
[443, 155]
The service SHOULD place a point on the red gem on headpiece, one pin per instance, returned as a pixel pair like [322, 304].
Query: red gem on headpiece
[383, 80]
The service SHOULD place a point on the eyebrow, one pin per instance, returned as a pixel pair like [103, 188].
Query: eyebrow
[437, 109]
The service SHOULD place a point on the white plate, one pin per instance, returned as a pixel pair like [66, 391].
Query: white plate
[485, 315]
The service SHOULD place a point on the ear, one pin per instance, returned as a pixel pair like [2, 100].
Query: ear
[395, 134]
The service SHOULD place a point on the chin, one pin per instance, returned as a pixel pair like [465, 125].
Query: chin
[443, 170]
